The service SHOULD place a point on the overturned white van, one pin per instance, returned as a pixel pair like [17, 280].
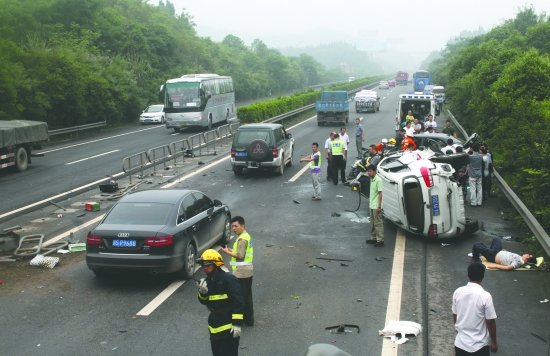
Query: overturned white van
[422, 196]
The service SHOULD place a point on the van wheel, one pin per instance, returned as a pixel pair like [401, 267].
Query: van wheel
[456, 160]
[21, 159]
[472, 226]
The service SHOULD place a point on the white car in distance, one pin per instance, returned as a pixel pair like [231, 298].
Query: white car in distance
[384, 85]
[152, 114]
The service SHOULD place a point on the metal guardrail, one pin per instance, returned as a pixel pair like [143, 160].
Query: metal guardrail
[77, 128]
[198, 144]
[529, 219]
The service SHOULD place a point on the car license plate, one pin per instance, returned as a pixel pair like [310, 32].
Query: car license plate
[124, 243]
[435, 205]
[241, 154]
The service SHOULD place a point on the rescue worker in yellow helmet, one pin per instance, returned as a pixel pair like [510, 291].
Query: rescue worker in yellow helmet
[221, 293]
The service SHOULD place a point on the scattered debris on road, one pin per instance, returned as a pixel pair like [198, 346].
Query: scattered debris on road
[401, 328]
[342, 328]
[335, 214]
[44, 261]
[333, 259]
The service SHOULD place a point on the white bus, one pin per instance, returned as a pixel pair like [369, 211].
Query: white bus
[198, 100]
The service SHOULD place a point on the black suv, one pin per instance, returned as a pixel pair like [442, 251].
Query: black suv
[261, 146]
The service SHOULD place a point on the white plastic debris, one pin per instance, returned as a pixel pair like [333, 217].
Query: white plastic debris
[545, 300]
[397, 330]
[470, 255]
[445, 245]
[44, 261]
[507, 238]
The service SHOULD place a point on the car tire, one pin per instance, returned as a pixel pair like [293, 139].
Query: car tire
[189, 263]
[289, 163]
[162, 120]
[456, 160]
[100, 273]
[176, 130]
[472, 225]
[226, 237]
[21, 159]
[210, 123]
[238, 171]
[258, 150]
[281, 169]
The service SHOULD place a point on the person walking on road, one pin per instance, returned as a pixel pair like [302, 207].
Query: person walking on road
[242, 256]
[359, 137]
[475, 173]
[221, 293]
[338, 155]
[344, 135]
[375, 208]
[315, 164]
[328, 156]
[474, 316]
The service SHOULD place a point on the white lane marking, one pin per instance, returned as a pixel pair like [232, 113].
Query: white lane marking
[179, 180]
[85, 159]
[297, 175]
[161, 298]
[393, 310]
[73, 230]
[58, 196]
[167, 292]
[98, 140]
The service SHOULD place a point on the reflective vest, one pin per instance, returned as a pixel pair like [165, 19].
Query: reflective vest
[249, 254]
[312, 163]
[337, 147]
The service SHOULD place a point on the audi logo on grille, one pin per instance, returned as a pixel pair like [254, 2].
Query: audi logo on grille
[123, 234]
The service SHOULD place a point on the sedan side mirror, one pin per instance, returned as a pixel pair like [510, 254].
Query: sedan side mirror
[217, 202]
[288, 135]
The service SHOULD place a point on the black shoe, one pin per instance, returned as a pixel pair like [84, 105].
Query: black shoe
[379, 244]
[371, 241]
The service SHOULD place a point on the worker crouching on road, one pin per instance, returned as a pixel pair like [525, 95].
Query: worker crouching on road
[221, 293]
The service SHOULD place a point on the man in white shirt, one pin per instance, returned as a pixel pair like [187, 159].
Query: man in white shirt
[328, 155]
[409, 130]
[430, 123]
[474, 316]
[344, 135]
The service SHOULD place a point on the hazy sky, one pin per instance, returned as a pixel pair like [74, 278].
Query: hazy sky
[390, 30]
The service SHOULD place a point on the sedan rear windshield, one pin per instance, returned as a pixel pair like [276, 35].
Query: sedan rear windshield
[139, 214]
[245, 137]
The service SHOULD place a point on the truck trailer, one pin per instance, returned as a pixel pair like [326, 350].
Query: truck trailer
[17, 140]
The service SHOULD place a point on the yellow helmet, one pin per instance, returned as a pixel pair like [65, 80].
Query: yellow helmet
[209, 257]
[392, 141]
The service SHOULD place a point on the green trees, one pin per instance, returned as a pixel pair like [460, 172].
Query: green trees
[71, 62]
[498, 85]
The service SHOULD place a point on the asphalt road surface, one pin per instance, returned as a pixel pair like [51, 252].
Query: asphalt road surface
[297, 290]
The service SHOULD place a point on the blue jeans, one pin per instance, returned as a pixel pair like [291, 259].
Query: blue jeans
[489, 253]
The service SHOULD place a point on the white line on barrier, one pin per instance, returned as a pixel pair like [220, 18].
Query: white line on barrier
[85, 159]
